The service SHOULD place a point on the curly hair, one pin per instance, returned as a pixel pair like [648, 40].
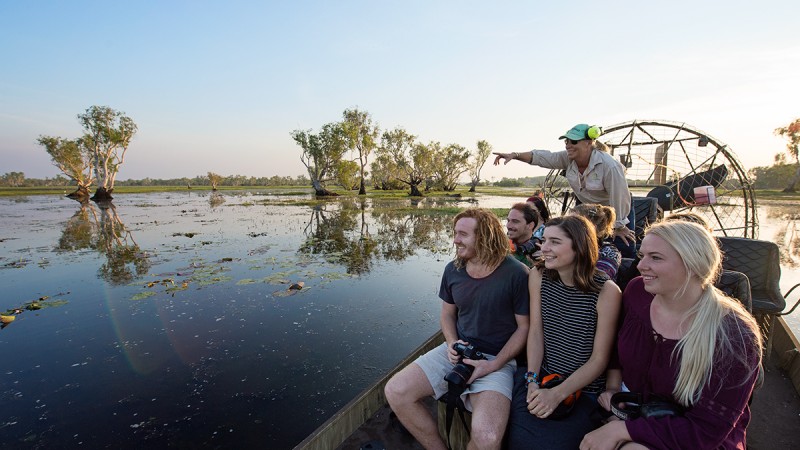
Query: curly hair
[491, 242]
[602, 217]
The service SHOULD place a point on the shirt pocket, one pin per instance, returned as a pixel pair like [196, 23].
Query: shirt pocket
[594, 182]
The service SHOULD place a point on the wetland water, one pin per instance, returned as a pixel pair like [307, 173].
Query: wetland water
[168, 320]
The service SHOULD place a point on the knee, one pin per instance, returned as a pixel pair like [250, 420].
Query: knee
[486, 438]
[394, 391]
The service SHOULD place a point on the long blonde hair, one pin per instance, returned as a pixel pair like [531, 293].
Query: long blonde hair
[491, 242]
[711, 340]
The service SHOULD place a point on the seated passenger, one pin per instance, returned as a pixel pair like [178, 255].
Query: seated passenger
[603, 218]
[683, 340]
[631, 271]
[522, 219]
[544, 214]
[573, 312]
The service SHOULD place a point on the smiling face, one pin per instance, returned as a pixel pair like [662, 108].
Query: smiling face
[464, 238]
[661, 267]
[577, 150]
[519, 231]
[557, 249]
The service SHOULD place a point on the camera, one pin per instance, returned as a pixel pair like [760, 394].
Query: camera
[530, 247]
[461, 372]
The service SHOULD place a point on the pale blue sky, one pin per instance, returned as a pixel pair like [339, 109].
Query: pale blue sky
[218, 86]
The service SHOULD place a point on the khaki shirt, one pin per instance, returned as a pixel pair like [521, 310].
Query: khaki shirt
[602, 182]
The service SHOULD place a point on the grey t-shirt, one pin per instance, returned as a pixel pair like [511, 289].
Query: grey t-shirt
[486, 306]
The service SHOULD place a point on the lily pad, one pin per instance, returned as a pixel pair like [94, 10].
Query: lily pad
[143, 295]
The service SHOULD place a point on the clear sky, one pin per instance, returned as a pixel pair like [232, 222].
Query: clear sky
[218, 86]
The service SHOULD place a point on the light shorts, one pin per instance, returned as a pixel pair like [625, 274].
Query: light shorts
[436, 365]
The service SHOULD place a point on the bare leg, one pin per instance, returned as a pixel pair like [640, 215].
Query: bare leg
[405, 392]
[490, 411]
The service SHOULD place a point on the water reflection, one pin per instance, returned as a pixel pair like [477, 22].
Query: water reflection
[786, 234]
[100, 228]
[343, 234]
[215, 199]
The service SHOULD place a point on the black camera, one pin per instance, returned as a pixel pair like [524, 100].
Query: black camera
[461, 372]
[530, 247]
[635, 406]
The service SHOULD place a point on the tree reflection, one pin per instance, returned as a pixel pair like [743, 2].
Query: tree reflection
[100, 228]
[344, 233]
[215, 199]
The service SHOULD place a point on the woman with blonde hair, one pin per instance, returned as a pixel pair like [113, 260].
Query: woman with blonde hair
[683, 342]
[602, 217]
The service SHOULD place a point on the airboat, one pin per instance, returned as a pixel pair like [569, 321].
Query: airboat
[671, 167]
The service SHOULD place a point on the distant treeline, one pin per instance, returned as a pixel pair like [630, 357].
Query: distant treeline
[18, 179]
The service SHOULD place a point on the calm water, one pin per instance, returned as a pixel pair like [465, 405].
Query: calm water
[168, 320]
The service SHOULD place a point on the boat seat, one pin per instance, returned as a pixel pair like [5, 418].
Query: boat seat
[647, 212]
[760, 260]
[626, 272]
[736, 285]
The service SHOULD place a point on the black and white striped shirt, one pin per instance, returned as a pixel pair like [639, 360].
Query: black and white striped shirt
[569, 318]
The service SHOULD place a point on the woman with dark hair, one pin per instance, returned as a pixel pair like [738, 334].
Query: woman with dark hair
[544, 215]
[573, 317]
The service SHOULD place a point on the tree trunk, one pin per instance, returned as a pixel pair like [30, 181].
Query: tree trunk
[102, 195]
[415, 191]
[320, 190]
[81, 194]
[362, 190]
[794, 181]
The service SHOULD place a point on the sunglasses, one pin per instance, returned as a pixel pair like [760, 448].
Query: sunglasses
[573, 142]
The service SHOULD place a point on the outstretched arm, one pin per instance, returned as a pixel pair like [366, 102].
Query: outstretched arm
[508, 157]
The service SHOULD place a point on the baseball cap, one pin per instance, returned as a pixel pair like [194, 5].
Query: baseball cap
[576, 133]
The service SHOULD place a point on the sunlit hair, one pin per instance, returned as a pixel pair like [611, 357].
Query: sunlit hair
[491, 242]
[689, 216]
[528, 212]
[540, 206]
[584, 244]
[600, 146]
[711, 342]
[602, 217]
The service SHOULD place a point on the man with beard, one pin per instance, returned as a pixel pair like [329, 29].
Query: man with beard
[485, 304]
[522, 220]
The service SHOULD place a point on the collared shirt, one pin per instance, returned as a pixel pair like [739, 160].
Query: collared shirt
[602, 182]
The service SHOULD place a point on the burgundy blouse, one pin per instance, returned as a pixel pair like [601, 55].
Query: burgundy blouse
[719, 419]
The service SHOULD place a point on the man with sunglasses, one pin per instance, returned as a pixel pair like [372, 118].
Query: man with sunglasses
[593, 174]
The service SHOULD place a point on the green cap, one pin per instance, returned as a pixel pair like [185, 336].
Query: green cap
[577, 133]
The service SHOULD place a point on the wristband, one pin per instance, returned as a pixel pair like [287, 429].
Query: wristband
[531, 377]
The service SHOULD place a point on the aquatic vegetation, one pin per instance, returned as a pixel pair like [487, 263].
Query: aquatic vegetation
[34, 305]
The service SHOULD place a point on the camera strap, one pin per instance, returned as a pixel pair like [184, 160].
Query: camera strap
[453, 401]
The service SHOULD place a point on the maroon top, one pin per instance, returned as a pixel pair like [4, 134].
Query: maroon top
[719, 419]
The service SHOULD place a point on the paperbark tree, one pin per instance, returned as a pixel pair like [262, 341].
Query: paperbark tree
[449, 163]
[413, 159]
[108, 134]
[214, 180]
[321, 153]
[361, 135]
[73, 160]
[792, 133]
[484, 149]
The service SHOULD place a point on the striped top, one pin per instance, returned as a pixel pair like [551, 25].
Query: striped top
[569, 318]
